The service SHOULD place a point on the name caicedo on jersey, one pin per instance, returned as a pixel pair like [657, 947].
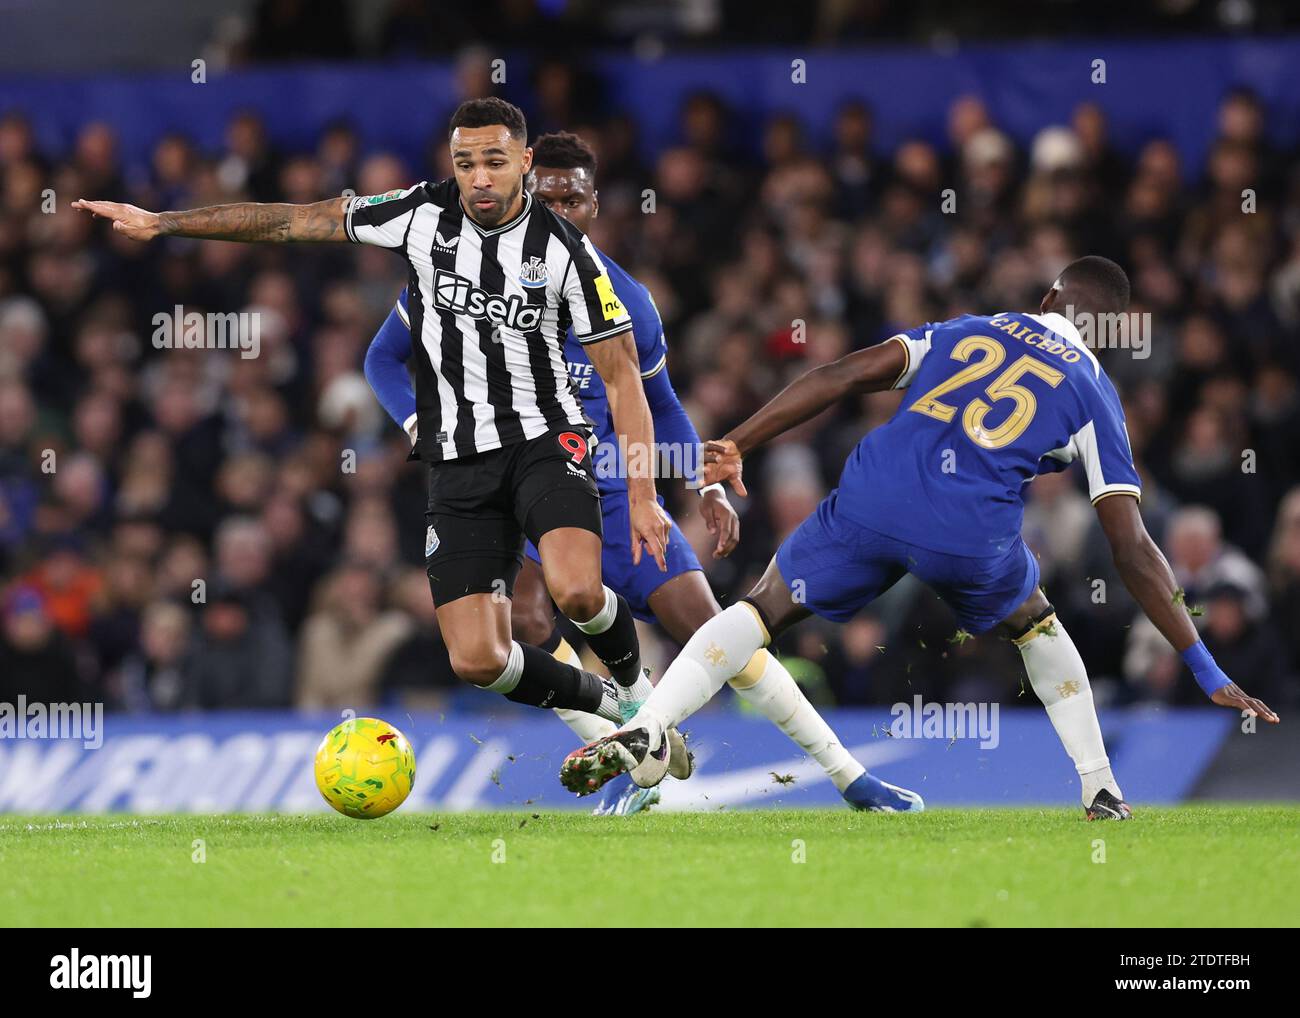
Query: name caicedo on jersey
[456, 293]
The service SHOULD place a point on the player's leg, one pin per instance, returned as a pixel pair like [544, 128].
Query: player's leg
[1060, 680]
[826, 566]
[714, 654]
[743, 632]
[814, 558]
[476, 629]
[473, 552]
[532, 621]
[558, 506]
[1003, 592]
[571, 564]
[686, 603]
[532, 617]
[719, 649]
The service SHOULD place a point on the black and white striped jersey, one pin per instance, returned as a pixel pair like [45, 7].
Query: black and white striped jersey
[489, 310]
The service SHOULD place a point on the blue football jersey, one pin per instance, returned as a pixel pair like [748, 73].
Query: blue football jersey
[991, 403]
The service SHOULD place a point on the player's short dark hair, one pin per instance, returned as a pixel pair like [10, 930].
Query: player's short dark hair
[563, 150]
[488, 113]
[1096, 284]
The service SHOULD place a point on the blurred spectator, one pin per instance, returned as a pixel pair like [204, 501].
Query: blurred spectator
[240, 658]
[130, 473]
[152, 678]
[1245, 646]
[67, 585]
[34, 660]
[1284, 582]
[417, 670]
[1202, 562]
[346, 641]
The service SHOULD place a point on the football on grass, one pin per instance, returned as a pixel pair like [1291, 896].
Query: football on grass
[365, 768]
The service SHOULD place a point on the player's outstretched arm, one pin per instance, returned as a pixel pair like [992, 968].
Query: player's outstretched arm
[246, 221]
[1149, 579]
[871, 370]
[616, 362]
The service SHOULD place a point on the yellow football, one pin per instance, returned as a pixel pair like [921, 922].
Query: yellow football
[365, 768]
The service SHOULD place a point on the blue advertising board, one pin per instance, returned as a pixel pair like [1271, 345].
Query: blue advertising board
[1148, 88]
[255, 762]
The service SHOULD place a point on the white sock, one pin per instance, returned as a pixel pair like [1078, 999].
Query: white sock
[509, 677]
[1060, 680]
[778, 698]
[719, 649]
[633, 696]
[587, 727]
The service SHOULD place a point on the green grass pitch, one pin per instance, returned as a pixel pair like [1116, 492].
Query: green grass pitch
[1185, 866]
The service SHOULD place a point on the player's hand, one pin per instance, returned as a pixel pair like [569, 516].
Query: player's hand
[722, 521]
[134, 222]
[1232, 695]
[650, 526]
[722, 463]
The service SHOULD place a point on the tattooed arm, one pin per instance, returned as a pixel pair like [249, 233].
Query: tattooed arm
[248, 221]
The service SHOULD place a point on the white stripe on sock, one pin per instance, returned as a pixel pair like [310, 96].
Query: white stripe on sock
[603, 619]
[509, 677]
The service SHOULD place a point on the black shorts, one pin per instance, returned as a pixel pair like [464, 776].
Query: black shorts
[481, 507]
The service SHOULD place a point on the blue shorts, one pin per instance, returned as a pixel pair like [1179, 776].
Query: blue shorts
[840, 566]
[636, 583]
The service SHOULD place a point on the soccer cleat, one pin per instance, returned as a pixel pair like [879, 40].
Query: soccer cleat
[622, 798]
[1106, 807]
[870, 793]
[588, 768]
[681, 761]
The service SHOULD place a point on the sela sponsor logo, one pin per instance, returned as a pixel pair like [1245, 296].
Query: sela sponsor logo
[534, 274]
[920, 720]
[73, 721]
[75, 971]
[453, 292]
